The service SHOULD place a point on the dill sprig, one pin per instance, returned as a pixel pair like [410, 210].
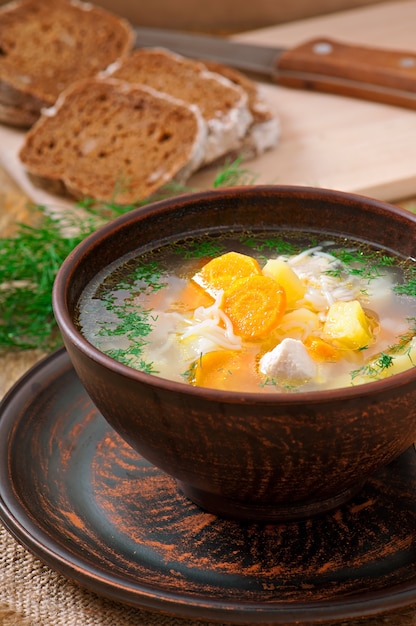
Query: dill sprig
[277, 245]
[134, 323]
[385, 359]
[374, 369]
[408, 287]
[233, 174]
[29, 262]
[358, 262]
[200, 250]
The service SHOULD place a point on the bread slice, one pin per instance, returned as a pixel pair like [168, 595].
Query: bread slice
[223, 105]
[264, 131]
[113, 141]
[47, 44]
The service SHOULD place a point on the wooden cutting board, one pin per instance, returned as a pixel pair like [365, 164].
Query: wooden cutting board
[326, 141]
[333, 141]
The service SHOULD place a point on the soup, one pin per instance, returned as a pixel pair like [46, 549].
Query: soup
[271, 312]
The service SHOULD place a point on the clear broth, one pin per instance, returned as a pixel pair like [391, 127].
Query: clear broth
[135, 312]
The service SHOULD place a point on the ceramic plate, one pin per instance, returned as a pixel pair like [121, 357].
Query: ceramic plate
[85, 503]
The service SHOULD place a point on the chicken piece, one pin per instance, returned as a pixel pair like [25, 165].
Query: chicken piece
[288, 361]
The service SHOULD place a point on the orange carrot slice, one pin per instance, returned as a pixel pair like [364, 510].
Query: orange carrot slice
[224, 369]
[191, 297]
[255, 306]
[321, 350]
[221, 272]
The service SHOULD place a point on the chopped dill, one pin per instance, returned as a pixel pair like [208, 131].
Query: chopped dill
[31, 258]
[199, 250]
[134, 323]
[386, 359]
[405, 339]
[277, 245]
[148, 274]
[408, 287]
[274, 382]
[131, 357]
[375, 368]
[360, 262]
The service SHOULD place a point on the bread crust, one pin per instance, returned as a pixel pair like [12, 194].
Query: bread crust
[48, 44]
[264, 131]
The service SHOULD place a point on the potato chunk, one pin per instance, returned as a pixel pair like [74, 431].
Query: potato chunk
[287, 278]
[347, 325]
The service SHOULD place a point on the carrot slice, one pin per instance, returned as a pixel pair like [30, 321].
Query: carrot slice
[191, 297]
[221, 272]
[321, 350]
[255, 306]
[223, 369]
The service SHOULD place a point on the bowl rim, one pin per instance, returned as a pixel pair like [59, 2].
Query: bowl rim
[65, 321]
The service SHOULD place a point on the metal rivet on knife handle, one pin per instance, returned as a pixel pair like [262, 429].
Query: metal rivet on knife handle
[407, 62]
[322, 47]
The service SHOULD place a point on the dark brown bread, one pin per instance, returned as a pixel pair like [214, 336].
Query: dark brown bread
[223, 105]
[47, 44]
[258, 108]
[114, 141]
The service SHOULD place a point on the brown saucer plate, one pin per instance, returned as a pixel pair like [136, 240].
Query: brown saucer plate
[79, 498]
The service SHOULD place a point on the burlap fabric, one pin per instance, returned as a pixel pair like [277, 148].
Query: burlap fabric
[31, 594]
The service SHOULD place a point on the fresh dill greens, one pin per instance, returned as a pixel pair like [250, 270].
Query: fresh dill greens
[403, 344]
[130, 320]
[385, 359]
[233, 174]
[134, 324]
[199, 250]
[408, 287]
[30, 259]
[375, 368]
[28, 265]
[189, 374]
[277, 245]
[360, 262]
[209, 248]
[144, 275]
[273, 382]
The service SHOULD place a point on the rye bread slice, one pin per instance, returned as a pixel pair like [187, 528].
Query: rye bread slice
[223, 105]
[264, 131]
[113, 141]
[45, 45]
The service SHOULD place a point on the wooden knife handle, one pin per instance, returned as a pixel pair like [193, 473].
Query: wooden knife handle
[382, 75]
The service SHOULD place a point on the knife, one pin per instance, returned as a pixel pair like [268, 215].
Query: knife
[322, 64]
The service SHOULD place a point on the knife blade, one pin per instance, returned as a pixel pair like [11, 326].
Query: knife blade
[322, 64]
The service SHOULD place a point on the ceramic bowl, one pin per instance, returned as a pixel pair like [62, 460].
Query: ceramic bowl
[263, 457]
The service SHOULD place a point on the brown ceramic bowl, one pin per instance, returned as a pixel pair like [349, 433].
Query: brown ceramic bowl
[254, 456]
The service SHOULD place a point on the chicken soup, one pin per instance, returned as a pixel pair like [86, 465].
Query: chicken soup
[254, 312]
